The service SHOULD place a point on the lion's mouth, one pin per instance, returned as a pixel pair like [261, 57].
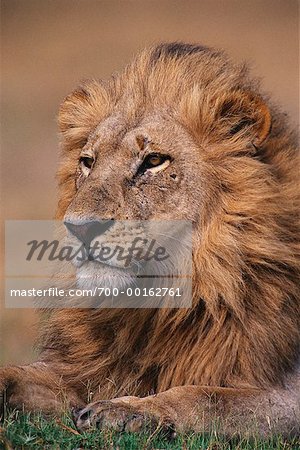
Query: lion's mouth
[115, 256]
[132, 269]
[97, 274]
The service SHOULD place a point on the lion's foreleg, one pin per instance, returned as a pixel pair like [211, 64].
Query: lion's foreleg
[201, 409]
[35, 387]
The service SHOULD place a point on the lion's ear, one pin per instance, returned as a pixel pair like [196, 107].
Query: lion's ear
[244, 114]
[82, 110]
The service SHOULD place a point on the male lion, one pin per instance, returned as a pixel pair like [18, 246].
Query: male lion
[233, 166]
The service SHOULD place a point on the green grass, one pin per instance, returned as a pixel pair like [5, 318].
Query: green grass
[26, 431]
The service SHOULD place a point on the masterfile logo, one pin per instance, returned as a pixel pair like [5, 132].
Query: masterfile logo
[128, 264]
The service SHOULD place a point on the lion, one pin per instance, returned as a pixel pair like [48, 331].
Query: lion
[233, 166]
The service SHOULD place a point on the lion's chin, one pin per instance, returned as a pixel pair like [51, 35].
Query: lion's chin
[92, 275]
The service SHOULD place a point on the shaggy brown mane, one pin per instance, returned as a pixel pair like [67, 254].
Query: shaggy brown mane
[244, 325]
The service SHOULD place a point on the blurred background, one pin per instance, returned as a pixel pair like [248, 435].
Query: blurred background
[48, 46]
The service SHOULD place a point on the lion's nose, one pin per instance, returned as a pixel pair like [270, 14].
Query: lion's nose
[87, 231]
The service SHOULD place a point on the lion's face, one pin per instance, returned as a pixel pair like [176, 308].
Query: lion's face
[133, 174]
[137, 173]
[165, 140]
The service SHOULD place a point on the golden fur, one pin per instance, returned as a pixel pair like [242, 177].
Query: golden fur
[243, 330]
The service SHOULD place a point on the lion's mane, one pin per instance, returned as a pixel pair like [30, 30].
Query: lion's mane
[244, 325]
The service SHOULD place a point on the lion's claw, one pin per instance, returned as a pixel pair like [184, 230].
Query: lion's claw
[109, 415]
[121, 416]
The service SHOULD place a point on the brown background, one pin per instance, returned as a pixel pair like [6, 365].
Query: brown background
[49, 45]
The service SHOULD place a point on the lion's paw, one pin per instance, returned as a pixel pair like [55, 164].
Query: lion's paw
[109, 415]
[120, 416]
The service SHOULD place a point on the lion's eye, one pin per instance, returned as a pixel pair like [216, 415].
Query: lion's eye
[85, 165]
[154, 160]
[154, 163]
[86, 161]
